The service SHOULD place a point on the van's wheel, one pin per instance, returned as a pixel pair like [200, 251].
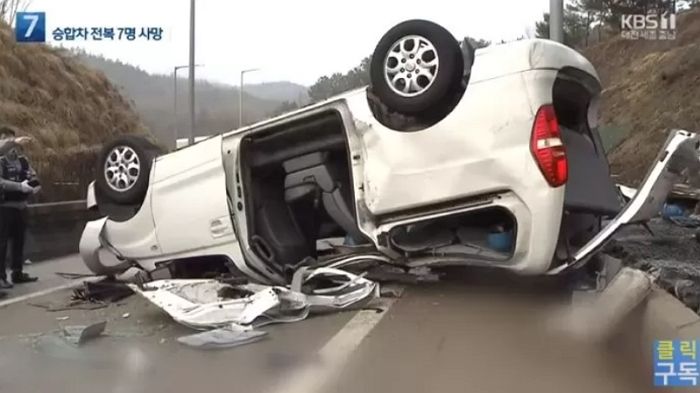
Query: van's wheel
[124, 167]
[416, 67]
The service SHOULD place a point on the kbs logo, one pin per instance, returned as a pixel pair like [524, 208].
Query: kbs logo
[30, 27]
[649, 22]
[649, 27]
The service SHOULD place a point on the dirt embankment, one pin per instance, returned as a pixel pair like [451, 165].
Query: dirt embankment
[649, 88]
[67, 107]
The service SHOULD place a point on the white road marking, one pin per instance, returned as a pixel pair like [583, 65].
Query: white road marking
[47, 291]
[335, 353]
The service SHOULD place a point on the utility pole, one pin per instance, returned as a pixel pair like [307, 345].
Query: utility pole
[175, 107]
[240, 97]
[175, 70]
[192, 119]
[556, 20]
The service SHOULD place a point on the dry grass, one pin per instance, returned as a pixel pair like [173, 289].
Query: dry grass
[649, 88]
[67, 107]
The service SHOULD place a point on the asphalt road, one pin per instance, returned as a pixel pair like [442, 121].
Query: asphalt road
[465, 334]
[46, 271]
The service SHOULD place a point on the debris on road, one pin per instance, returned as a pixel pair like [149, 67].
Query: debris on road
[90, 296]
[231, 312]
[78, 335]
[210, 304]
[105, 291]
[390, 273]
[222, 338]
[126, 315]
[65, 318]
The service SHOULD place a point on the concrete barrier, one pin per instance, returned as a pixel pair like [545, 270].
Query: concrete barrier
[54, 229]
[660, 317]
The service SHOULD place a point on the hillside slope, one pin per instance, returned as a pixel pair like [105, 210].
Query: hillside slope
[216, 104]
[649, 88]
[68, 108]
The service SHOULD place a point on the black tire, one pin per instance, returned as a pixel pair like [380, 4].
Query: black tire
[131, 193]
[447, 75]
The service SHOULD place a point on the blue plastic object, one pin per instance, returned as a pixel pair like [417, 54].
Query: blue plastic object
[501, 241]
[672, 210]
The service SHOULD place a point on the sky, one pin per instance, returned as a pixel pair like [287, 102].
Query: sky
[297, 41]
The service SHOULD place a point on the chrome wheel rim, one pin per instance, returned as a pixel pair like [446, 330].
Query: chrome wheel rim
[411, 66]
[122, 168]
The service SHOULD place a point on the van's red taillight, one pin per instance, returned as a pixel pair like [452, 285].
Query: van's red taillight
[547, 147]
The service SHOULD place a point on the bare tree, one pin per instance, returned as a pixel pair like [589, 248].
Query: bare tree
[9, 8]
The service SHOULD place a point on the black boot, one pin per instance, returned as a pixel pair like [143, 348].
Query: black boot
[21, 278]
[4, 284]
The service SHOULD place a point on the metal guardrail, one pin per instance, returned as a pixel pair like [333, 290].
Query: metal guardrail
[54, 229]
[53, 207]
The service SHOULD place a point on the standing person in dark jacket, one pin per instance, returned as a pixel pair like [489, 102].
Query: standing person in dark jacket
[6, 133]
[18, 182]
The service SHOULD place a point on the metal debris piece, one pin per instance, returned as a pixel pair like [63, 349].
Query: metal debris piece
[126, 315]
[199, 303]
[350, 291]
[79, 334]
[64, 318]
[228, 337]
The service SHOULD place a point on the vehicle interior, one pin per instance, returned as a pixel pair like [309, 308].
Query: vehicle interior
[300, 188]
[300, 192]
